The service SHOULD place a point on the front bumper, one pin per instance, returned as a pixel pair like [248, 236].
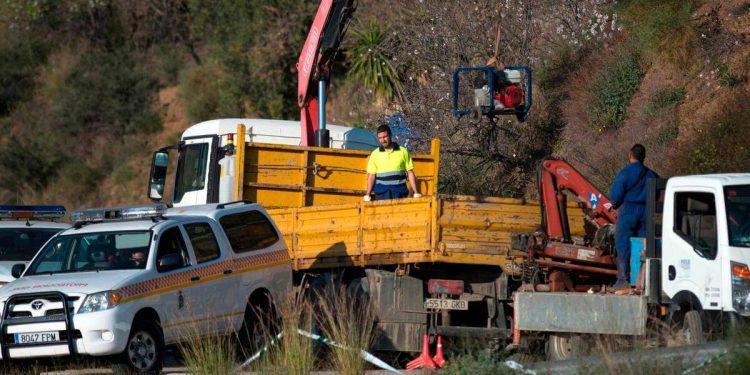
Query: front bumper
[97, 333]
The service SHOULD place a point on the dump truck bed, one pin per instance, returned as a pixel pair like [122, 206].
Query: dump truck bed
[315, 197]
[446, 229]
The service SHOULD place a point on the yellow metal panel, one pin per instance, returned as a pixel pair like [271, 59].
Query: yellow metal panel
[294, 176]
[399, 225]
[239, 173]
[327, 231]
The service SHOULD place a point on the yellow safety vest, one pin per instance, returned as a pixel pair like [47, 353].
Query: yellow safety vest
[390, 166]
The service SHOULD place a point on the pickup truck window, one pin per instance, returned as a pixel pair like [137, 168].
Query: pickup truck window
[738, 214]
[171, 242]
[248, 231]
[191, 169]
[23, 243]
[93, 252]
[203, 240]
[695, 221]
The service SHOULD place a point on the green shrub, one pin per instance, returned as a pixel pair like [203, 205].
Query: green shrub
[480, 363]
[666, 98]
[650, 23]
[612, 89]
[721, 147]
[108, 92]
[728, 78]
[31, 162]
[19, 60]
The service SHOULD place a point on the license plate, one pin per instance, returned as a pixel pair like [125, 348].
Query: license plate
[446, 304]
[31, 338]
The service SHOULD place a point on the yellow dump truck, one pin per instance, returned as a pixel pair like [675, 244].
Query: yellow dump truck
[443, 263]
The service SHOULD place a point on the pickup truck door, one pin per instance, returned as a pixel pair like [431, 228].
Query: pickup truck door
[214, 285]
[692, 262]
[175, 303]
[197, 177]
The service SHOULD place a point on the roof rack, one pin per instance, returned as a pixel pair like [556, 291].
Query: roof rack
[92, 215]
[20, 212]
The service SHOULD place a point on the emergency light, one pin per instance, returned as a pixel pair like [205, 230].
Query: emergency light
[118, 213]
[31, 212]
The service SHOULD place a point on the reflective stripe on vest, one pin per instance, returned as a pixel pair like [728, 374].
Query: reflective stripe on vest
[391, 178]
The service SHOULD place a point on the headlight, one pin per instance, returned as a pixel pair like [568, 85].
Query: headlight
[100, 301]
[740, 288]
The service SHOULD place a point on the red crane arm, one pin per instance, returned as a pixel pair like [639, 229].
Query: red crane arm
[315, 60]
[556, 178]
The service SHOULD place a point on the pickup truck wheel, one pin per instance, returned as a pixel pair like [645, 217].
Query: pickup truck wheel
[254, 335]
[144, 352]
[565, 346]
[692, 328]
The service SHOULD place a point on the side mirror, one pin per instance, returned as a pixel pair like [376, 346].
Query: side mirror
[158, 176]
[17, 270]
[170, 262]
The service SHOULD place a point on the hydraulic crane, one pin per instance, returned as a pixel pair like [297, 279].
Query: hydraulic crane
[315, 64]
[592, 258]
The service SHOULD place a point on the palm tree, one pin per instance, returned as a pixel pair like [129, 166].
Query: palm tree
[371, 64]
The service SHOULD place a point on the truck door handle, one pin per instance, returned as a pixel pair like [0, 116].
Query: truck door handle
[195, 278]
[227, 272]
[672, 273]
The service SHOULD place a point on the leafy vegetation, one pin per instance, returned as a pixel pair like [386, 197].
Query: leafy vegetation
[651, 24]
[371, 64]
[612, 89]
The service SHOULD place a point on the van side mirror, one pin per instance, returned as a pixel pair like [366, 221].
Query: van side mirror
[158, 176]
[17, 270]
[169, 262]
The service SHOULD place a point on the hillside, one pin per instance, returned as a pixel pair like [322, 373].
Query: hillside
[90, 89]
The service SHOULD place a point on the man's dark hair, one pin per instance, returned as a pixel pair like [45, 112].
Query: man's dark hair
[638, 152]
[384, 128]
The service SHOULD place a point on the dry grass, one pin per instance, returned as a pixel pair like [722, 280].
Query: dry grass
[293, 354]
[215, 355]
[347, 318]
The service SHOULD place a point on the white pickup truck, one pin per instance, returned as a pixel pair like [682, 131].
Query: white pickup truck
[136, 279]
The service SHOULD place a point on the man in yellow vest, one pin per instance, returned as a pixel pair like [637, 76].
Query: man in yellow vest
[388, 168]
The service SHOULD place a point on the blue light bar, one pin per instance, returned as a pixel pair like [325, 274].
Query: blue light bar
[118, 213]
[31, 212]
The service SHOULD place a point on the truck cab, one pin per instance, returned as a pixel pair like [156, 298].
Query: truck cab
[204, 173]
[705, 243]
[135, 279]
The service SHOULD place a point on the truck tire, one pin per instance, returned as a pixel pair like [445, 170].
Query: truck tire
[692, 327]
[565, 346]
[144, 352]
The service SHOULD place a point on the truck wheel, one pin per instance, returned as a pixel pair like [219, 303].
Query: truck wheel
[692, 328]
[144, 352]
[565, 346]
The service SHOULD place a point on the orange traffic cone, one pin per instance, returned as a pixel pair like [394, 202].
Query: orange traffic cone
[424, 359]
[438, 358]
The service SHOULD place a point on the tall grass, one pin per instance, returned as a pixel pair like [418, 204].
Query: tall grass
[294, 354]
[215, 355]
[346, 317]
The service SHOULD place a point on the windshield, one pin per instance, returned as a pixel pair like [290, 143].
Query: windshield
[93, 252]
[191, 169]
[21, 244]
[738, 214]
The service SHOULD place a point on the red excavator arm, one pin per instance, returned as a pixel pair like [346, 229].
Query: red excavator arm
[316, 60]
[557, 177]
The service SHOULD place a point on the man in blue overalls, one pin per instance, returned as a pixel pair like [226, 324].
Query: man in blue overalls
[628, 195]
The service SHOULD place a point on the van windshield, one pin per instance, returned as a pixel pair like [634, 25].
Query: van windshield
[93, 252]
[21, 244]
[738, 214]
